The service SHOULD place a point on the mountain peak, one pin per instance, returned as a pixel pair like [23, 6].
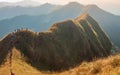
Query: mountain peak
[75, 4]
[93, 6]
[47, 4]
[83, 16]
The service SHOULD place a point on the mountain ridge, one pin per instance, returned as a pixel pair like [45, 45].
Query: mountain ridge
[10, 11]
[108, 22]
[67, 43]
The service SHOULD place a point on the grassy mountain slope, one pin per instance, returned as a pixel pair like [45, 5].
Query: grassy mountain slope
[67, 43]
[106, 66]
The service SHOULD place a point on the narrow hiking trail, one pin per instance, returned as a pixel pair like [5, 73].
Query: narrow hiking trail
[19, 66]
[107, 66]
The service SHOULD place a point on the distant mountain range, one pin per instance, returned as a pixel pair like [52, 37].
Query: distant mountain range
[109, 22]
[12, 11]
[24, 3]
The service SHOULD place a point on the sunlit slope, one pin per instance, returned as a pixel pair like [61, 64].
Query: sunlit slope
[64, 46]
[106, 66]
[19, 66]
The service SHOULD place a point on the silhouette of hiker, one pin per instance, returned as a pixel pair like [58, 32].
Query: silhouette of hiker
[12, 73]
[12, 39]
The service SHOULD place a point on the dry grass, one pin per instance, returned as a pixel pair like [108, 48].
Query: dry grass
[106, 66]
[67, 43]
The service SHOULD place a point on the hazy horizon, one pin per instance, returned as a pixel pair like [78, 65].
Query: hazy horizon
[108, 5]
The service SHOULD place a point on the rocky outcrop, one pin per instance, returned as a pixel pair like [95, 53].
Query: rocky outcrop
[64, 45]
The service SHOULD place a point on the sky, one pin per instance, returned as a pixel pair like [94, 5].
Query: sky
[112, 6]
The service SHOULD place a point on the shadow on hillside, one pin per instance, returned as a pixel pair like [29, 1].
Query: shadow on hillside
[65, 45]
[34, 48]
[33, 55]
[5, 47]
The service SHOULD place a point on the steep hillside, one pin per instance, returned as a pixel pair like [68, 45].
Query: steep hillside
[109, 22]
[20, 67]
[66, 44]
[106, 66]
